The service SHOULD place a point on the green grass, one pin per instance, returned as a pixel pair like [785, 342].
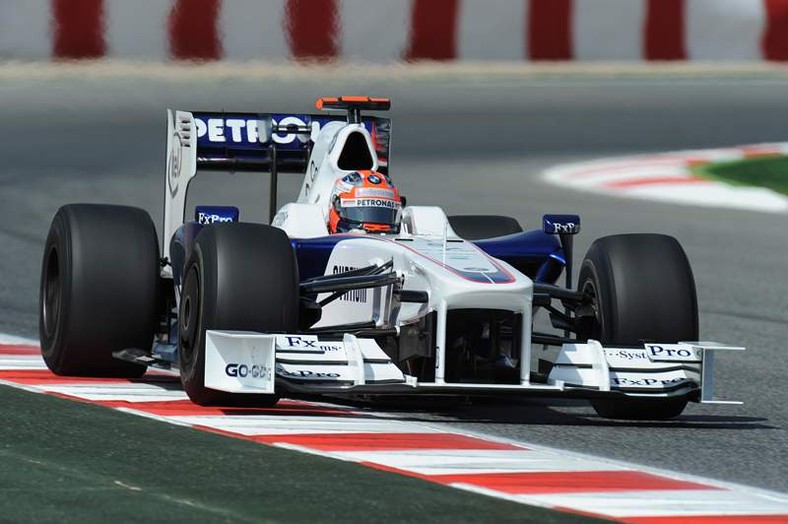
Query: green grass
[64, 461]
[770, 172]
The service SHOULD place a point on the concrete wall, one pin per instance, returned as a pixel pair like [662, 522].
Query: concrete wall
[394, 30]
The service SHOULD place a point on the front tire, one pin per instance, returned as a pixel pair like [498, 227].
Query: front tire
[99, 287]
[643, 290]
[238, 277]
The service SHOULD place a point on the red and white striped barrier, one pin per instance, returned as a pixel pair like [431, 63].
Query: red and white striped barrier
[521, 472]
[395, 30]
[668, 177]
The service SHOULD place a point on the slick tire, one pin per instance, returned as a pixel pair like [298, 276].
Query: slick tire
[99, 289]
[643, 290]
[478, 227]
[238, 277]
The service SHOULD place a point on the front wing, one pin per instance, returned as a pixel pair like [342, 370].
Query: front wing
[257, 363]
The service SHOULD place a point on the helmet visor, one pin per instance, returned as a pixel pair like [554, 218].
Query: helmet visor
[370, 210]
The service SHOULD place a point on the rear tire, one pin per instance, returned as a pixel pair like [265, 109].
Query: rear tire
[478, 227]
[643, 290]
[99, 287]
[238, 277]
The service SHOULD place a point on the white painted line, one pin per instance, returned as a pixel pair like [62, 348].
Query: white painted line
[664, 503]
[18, 362]
[260, 425]
[460, 462]
[154, 416]
[118, 392]
[25, 387]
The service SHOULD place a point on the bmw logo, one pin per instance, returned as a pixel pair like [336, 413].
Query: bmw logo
[374, 179]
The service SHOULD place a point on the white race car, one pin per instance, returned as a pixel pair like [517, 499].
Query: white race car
[350, 291]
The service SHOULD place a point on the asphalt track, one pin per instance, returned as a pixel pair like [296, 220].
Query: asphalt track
[58, 468]
[472, 145]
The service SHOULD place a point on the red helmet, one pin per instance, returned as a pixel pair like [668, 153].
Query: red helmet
[365, 201]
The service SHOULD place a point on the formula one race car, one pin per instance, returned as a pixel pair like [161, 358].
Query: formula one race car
[350, 291]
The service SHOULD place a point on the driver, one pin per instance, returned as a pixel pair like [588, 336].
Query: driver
[364, 202]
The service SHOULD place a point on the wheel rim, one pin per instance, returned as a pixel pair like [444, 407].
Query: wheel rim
[189, 319]
[52, 299]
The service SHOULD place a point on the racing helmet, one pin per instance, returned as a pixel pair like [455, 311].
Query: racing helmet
[364, 201]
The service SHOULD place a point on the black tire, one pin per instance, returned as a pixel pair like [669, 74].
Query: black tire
[643, 291]
[99, 289]
[478, 227]
[238, 277]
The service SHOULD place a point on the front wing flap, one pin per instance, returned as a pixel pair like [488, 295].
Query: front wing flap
[653, 370]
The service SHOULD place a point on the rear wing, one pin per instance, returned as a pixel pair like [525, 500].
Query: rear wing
[251, 142]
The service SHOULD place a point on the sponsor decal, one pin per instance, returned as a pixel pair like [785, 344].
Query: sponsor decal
[370, 202]
[647, 382]
[250, 131]
[309, 181]
[561, 224]
[309, 344]
[354, 295]
[370, 192]
[674, 352]
[374, 179]
[242, 371]
[174, 163]
[627, 354]
[305, 373]
[247, 130]
[295, 341]
[569, 227]
[352, 179]
[342, 187]
[205, 218]
[215, 215]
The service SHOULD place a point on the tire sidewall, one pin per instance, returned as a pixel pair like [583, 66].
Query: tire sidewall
[58, 241]
[589, 282]
[192, 369]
